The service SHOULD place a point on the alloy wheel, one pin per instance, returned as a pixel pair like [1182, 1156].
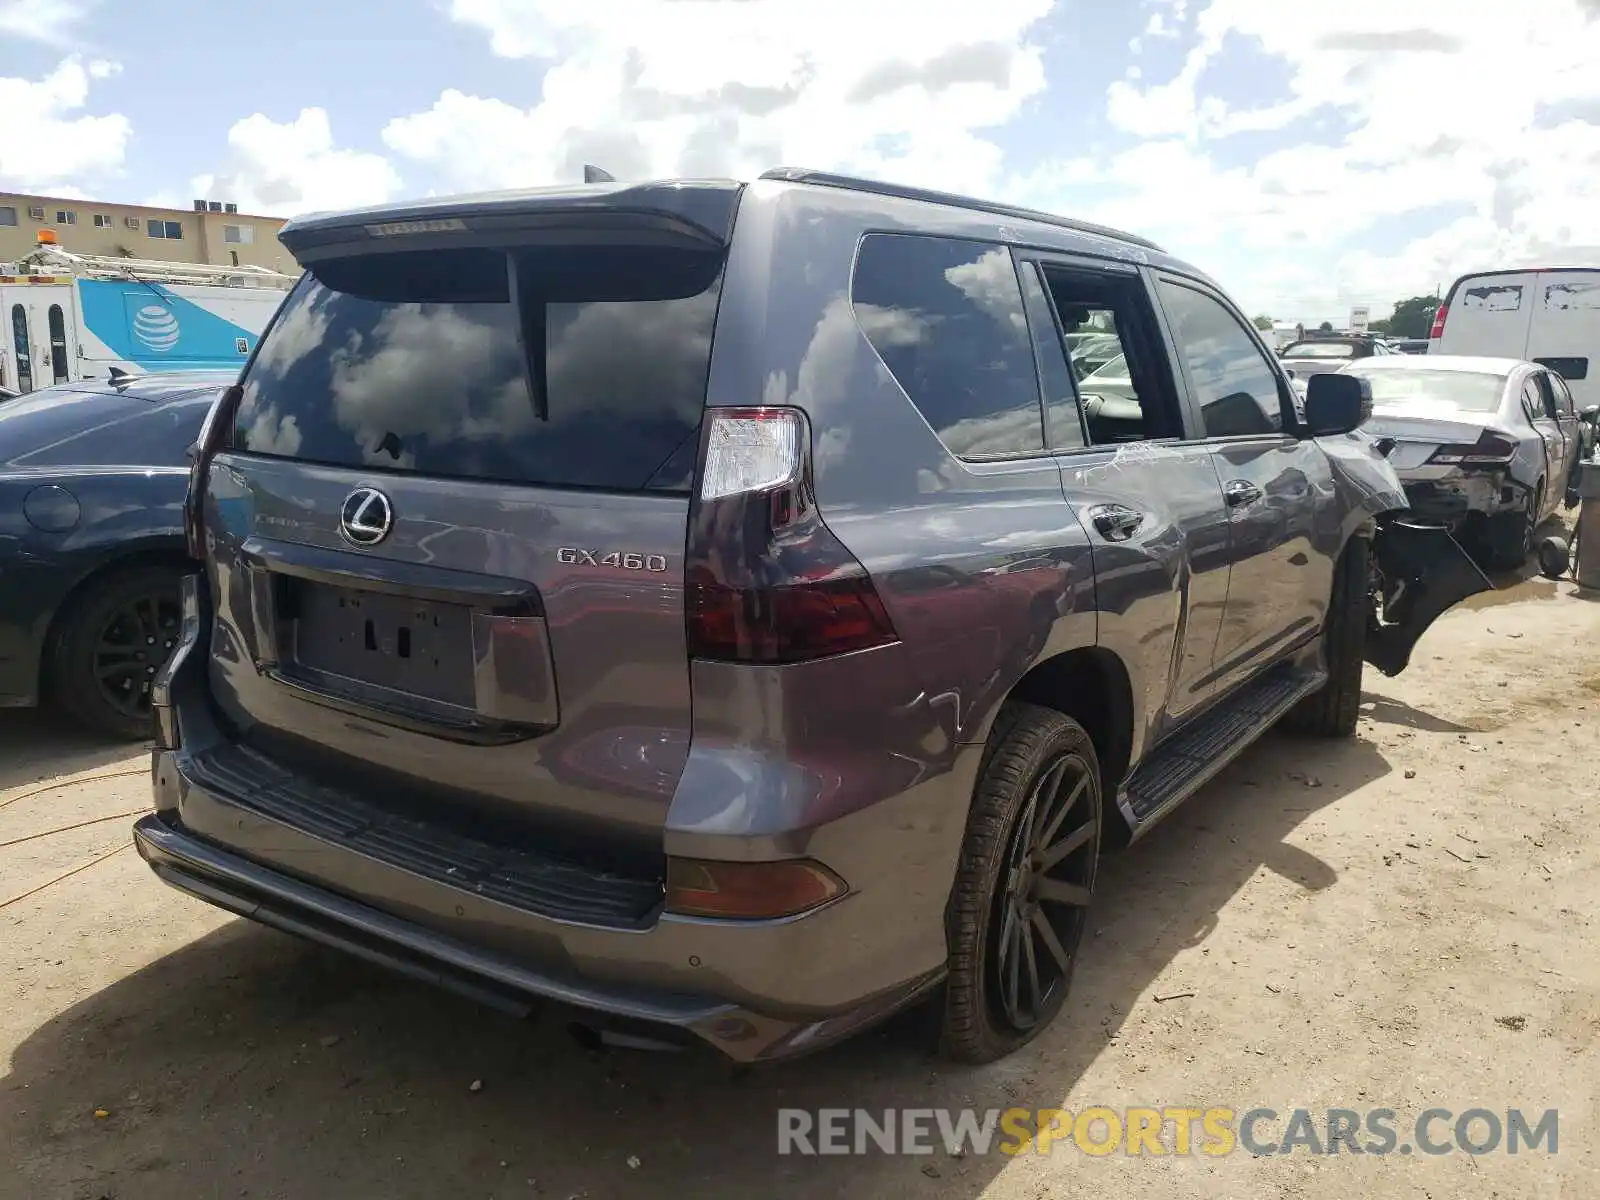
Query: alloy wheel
[1044, 892]
[132, 646]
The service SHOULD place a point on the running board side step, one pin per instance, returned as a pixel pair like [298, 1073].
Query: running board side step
[1182, 764]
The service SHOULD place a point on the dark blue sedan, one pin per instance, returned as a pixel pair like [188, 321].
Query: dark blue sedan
[92, 482]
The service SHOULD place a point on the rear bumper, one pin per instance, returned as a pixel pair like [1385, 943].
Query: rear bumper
[1458, 497]
[271, 847]
[490, 975]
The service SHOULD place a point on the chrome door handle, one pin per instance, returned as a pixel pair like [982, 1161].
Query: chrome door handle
[1115, 522]
[1239, 492]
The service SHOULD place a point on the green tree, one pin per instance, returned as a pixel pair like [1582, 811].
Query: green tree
[1264, 323]
[1325, 327]
[1380, 326]
[1413, 318]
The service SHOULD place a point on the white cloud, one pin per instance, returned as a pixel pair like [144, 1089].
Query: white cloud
[290, 167]
[46, 139]
[47, 21]
[702, 87]
[1460, 104]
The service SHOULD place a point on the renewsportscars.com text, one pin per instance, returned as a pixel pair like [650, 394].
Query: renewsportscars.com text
[1212, 1132]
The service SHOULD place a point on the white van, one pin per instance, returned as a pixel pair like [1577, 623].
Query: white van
[1549, 315]
[70, 317]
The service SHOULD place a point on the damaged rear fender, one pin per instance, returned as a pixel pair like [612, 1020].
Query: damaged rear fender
[1419, 573]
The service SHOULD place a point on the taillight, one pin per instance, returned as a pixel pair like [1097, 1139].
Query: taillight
[1490, 450]
[766, 581]
[212, 433]
[1438, 322]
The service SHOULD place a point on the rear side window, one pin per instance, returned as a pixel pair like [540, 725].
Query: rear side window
[1563, 396]
[946, 317]
[1573, 368]
[1492, 297]
[1573, 294]
[564, 366]
[1547, 395]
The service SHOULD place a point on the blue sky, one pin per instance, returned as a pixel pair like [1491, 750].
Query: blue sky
[1311, 158]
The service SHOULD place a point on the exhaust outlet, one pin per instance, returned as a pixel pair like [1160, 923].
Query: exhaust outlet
[595, 1038]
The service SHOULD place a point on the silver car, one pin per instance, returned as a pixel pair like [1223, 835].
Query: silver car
[1484, 444]
[1329, 352]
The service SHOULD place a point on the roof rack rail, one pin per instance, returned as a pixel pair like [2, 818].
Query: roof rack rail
[877, 188]
[145, 270]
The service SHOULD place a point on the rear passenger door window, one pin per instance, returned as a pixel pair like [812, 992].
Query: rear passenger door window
[1104, 330]
[1547, 395]
[946, 317]
[1234, 387]
[1063, 420]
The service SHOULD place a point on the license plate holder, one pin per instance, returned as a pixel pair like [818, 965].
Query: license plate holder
[416, 647]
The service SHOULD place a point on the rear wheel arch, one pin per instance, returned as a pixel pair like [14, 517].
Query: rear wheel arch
[1092, 686]
[157, 555]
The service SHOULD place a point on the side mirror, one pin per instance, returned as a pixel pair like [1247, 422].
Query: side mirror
[1591, 414]
[1337, 404]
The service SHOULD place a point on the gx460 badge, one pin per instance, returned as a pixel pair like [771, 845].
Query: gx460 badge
[622, 561]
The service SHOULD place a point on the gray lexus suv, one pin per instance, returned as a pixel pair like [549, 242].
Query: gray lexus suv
[721, 612]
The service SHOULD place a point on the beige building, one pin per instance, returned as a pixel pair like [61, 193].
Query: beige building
[211, 232]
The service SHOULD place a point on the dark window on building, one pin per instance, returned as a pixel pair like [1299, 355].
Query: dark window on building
[946, 317]
[65, 216]
[172, 231]
[8, 215]
[1234, 386]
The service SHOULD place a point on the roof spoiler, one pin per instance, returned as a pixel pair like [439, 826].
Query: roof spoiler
[593, 174]
[696, 214]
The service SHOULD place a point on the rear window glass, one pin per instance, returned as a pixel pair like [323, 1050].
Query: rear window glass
[1320, 350]
[566, 366]
[1406, 388]
[946, 317]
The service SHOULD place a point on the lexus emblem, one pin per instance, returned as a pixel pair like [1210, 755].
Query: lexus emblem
[366, 517]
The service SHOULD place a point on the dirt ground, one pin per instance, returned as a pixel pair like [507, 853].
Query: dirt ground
[1405, 921]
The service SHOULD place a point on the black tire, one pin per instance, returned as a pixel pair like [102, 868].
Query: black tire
[1333, 710]
[1038, 791]
[1508, 539]
[113, 637]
